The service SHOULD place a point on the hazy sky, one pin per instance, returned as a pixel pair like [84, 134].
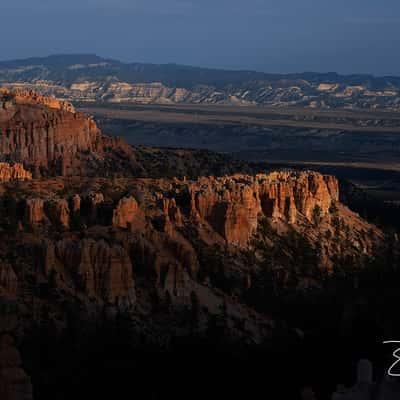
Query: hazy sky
[269, 35]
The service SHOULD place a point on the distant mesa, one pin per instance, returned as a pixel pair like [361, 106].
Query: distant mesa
[90, 78]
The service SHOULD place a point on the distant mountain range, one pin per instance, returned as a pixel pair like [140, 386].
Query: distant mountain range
[93, 78]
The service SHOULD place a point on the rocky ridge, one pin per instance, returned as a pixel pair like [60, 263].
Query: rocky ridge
[20, 96]
[90, 78]
[283, 93]
[161, 223]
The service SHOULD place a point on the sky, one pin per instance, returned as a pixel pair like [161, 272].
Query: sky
[280, 36]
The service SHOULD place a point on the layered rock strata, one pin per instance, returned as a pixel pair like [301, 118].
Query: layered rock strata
[49, 137]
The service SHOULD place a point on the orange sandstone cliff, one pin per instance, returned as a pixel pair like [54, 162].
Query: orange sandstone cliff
[232, 205]
[49, 137]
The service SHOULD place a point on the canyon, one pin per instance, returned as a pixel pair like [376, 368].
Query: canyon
[157, 223]
[170, 242]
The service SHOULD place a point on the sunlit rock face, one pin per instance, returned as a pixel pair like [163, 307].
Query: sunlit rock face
[232, 205]
[49, 137]
[9, 98]
[44, 132]
[127, 213]
[15, 172]
[160, 231]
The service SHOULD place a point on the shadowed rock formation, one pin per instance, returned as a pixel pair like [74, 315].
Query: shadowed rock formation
[14, 383]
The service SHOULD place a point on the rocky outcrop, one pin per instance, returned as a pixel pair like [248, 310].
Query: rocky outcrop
[39, 211]
[21, 96]
[178, 223]
[101, 271]
[221, 210]
[31, 97]
[172, 211]
[231, 205]
[177, 281]
[14, 383]
[173, 259]
[34, 211]
[14, 172]
[49, 137]
[8, 281]
[128, 214]
[94, 200]
[76, 203]
[290, 194]
[59, 212]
